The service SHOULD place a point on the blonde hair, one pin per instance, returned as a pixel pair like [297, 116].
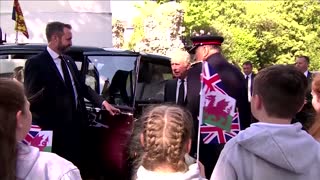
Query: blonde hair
[180, 56]
[315, 128]
[167, 130]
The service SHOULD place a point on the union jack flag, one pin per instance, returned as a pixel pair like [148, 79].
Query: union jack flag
[218, 119]
[215, 135]
[33, 132]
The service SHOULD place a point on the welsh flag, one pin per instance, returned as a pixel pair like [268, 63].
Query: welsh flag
[39, 139]
[218, 119]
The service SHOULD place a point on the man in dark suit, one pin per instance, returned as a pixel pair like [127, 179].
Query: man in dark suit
[57, 93]
[207, 48]
[248, 76]
[176, 89]
[306, 115]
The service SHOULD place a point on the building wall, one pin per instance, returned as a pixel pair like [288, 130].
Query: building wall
[91, 21]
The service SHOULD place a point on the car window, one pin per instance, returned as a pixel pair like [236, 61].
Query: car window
[11, 65]
[116, 77]
[151, 82]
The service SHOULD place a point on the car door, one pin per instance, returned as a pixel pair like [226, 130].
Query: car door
[113, 75]
[154, 71]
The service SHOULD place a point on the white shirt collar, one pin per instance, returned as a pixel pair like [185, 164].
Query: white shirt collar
[306, 73]
[53, 54]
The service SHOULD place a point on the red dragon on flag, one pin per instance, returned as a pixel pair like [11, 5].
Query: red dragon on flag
[219, 121]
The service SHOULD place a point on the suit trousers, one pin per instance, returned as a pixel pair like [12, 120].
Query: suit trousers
[67, 139]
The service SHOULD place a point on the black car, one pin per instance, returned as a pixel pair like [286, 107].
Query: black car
[128, 80]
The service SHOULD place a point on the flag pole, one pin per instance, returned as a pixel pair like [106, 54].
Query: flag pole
[200, 117]
[17, 37]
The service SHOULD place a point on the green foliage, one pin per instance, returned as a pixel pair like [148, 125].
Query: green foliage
[146, 10]
[264, 32]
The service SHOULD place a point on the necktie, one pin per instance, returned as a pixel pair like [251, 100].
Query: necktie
[247, 80]
[181, 93]
[67, 78]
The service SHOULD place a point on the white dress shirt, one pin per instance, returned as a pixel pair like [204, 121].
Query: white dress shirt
[57, 61]
[306, 73]
[185, 89]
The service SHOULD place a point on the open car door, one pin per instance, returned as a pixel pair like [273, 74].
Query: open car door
[112, 75]
[130, 81]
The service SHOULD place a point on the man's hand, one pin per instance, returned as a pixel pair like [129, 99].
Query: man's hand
[112, 110]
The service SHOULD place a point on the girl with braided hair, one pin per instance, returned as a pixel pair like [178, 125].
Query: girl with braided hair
[165, 137]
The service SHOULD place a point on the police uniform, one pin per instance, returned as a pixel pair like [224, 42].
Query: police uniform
[234, 86]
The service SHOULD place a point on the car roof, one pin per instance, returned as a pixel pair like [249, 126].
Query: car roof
[31, 48]
[88, 50]
[116, 51]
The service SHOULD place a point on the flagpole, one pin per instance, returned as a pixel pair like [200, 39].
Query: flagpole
[16, 37]
[200, 117]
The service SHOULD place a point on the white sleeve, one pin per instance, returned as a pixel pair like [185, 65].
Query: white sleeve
[73, 174]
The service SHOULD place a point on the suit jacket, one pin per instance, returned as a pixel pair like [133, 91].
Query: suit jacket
[234, 84]
[170, 90]
[309, 96]
[51, 105]
[251, 84]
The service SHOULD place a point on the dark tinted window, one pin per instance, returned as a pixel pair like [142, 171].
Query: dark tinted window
[152, 79]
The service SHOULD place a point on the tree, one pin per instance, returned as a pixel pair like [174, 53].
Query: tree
[159, 28]
[117, 34]
[264, 32]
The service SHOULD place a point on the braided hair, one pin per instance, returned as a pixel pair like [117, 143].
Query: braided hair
[167, 131]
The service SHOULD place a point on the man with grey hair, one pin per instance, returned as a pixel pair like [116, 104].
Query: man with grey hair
[176, 89]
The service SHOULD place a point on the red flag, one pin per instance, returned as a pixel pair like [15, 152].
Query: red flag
[17, 16]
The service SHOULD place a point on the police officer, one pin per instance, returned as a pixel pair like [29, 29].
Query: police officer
[208, 48]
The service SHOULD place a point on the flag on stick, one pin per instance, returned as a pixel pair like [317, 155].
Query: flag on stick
[218, 119]
[17, 16]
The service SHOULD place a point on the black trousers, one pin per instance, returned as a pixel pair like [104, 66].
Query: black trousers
[209, 155]
[68, 139]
